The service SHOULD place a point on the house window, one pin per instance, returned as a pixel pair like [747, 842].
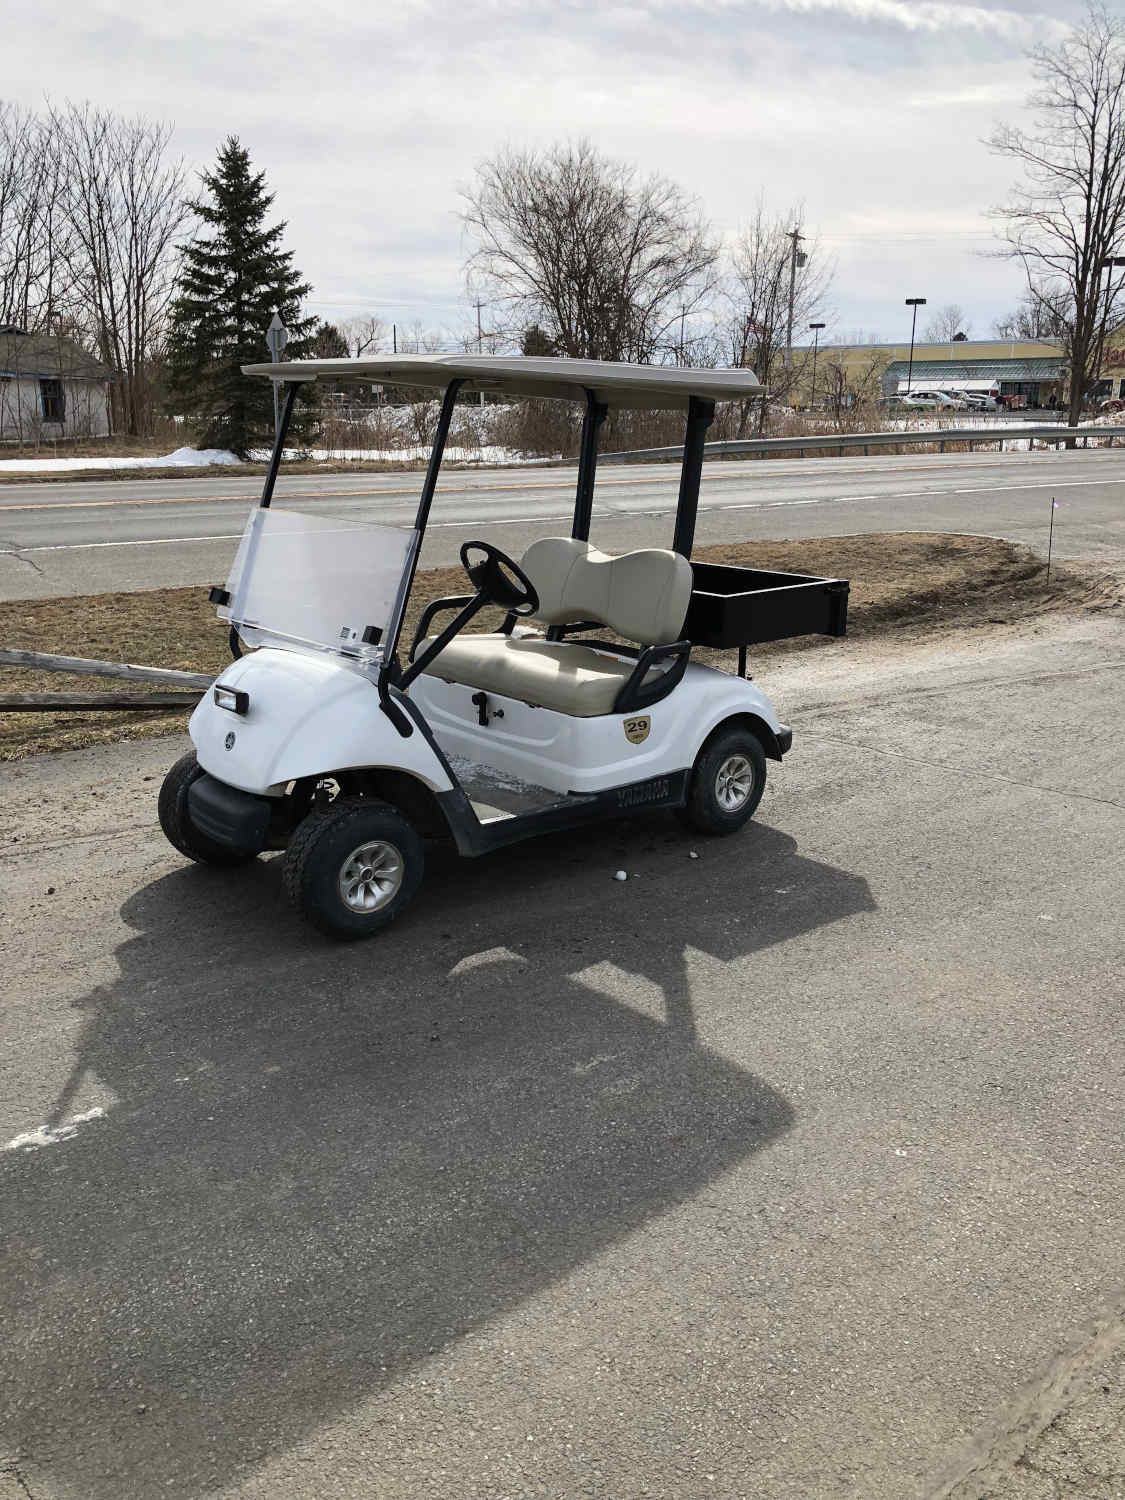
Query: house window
[54, 405]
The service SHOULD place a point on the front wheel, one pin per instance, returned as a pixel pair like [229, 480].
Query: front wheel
[727, 783]
[350, 869]
[175, 817]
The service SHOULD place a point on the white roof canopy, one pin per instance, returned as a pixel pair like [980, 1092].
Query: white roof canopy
[620, 385]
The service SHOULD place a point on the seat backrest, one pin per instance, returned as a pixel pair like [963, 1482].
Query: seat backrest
[643, 595]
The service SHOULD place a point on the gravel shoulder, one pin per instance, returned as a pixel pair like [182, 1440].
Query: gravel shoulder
[791, 1170]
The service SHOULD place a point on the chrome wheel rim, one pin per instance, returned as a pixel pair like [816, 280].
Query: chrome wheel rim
[734, 783]
[371, 876]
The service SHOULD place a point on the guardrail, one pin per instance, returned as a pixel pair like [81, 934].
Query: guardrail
[843, 441]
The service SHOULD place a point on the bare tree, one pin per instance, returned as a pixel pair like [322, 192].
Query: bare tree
[124, 207]
[33, 227]
[365, 334]
[603, 261]
[946, 323]
[1065, 219]
[758, 320]
[1036, 319]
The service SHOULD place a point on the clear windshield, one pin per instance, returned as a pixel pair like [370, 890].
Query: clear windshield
[316, 581]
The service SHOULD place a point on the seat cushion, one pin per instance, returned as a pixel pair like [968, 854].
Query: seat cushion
[569, 678]
[642, 596]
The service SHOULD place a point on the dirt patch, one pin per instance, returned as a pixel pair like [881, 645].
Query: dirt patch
[902, 582]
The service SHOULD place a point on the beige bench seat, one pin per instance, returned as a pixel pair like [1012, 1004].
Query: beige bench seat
[642, 596]
[570, 679]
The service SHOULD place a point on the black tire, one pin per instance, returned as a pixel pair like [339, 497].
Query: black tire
[317, 864]
[708, 810]
[175, 818]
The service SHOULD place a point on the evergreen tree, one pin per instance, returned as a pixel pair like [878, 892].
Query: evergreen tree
[231, 282]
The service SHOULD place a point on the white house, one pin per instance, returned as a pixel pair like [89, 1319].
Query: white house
[50, 388]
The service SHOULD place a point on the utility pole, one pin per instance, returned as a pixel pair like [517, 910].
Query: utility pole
[394, 338]
[797, 257]
[480, 342]
[683, 310]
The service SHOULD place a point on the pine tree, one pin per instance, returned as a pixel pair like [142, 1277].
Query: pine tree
[231, 281]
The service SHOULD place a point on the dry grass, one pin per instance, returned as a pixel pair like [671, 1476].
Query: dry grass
[899, 581]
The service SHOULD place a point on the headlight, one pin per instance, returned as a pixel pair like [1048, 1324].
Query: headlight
[232, 699]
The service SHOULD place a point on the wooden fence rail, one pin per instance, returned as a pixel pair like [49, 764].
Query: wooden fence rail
[190, 685]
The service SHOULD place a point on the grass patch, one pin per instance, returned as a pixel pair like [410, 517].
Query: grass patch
[899, 581]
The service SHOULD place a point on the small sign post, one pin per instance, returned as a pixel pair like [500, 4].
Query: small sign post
[1051, 535]
[277, 336]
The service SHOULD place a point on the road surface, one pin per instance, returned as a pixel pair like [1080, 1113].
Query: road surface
[784, 1171]
[61, 539]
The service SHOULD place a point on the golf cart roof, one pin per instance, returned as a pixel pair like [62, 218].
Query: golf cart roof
[663, 387]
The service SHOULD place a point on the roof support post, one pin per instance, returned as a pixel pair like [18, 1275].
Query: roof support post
[700, 416]
[398, 611]
[278, 445]
[596, 412]
[449, 401]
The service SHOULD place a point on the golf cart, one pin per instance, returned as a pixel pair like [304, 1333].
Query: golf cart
[347, 748]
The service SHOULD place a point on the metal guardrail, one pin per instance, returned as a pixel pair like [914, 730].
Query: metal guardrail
[843, 441]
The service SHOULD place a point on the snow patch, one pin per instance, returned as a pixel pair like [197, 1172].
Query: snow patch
[183, 458]
[46, 1135]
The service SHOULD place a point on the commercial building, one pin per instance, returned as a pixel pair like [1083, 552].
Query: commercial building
[1028, 373]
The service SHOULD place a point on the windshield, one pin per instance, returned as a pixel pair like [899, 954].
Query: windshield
[316, 581]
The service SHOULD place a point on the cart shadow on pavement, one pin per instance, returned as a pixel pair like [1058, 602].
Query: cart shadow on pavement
[326, 1163]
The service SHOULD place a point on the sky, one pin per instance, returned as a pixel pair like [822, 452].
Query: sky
[368, 119]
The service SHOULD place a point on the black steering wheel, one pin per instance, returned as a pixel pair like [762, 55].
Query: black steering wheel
[499, 580]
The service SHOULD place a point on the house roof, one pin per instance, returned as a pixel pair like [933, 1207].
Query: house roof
[620, 385]
[985, 370]
[50, 356]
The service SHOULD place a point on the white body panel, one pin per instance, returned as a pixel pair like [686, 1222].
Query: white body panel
[309, 715]
[567, 754]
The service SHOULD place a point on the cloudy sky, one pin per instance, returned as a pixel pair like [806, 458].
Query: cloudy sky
[367, 118]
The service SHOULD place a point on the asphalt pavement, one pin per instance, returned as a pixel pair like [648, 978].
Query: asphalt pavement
[793, 1170]
[61, 539]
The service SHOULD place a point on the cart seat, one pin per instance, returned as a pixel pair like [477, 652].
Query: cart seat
[568, 678]
[642, 596]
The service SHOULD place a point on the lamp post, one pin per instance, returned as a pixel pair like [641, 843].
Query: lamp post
[915, 303]
[816, 327]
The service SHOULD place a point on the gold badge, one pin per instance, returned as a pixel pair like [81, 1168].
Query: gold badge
[637, 730]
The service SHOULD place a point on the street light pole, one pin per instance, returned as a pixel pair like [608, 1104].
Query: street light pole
[816, 327]
[915, 303]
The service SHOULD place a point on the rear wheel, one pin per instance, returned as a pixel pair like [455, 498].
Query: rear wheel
[350, 869]
[727, 783]
[175, 817]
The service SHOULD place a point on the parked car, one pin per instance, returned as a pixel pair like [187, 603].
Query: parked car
[1111, 403]
[940, 400]
[982, 400]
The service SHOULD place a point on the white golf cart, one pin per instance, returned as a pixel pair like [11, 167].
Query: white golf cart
[330, 742]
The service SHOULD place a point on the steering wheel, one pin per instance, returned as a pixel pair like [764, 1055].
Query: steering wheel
[499, 580]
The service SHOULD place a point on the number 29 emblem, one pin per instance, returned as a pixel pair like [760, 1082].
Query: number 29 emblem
[637, 730]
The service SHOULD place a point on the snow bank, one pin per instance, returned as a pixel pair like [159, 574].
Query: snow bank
[183, 458]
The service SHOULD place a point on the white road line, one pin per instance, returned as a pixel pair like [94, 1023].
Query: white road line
[156, 541]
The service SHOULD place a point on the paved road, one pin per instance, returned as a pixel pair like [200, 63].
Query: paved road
[780, 1172]
[94, 537]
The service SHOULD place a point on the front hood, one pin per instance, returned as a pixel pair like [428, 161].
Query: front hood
[308, 715]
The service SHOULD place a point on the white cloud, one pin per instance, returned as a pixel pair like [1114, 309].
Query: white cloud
[366, 119]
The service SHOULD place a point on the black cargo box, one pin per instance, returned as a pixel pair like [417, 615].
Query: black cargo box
[733, 606]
